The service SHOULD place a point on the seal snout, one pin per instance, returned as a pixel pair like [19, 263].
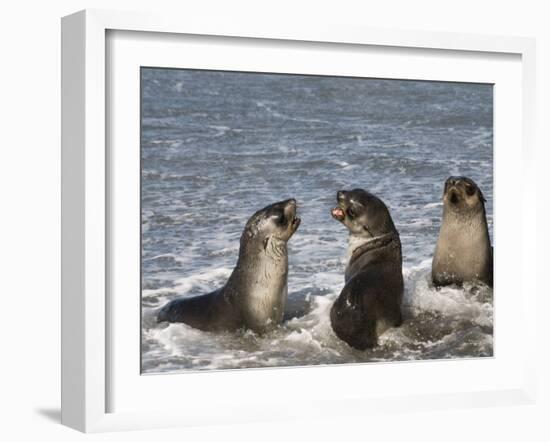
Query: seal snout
[453, 180]
[453, 196]
[290, 211]
[290, 207]
[338, 212]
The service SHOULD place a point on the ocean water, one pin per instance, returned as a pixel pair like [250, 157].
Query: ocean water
[217, 146]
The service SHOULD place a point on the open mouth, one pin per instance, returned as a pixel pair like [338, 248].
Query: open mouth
[291, 212]
[338, 213]
[295, 222]
[454, 199]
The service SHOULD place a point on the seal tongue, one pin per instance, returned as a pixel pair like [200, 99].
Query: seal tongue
[337, 213]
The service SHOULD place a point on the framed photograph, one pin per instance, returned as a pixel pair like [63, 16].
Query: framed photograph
[252, 214]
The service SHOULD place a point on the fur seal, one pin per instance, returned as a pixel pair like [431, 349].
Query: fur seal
[255, 294]
[463, 252]
[370, 301]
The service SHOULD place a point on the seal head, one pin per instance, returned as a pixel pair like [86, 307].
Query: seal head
[461, 194]
[271, 226]
[463, 252]
[367, 219]
[370, 301]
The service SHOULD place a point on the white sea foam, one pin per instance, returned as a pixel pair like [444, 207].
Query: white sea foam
[470, 303]
[168, 257]
[203, 281]
[433, 205]
[438, 324]
[277, 114]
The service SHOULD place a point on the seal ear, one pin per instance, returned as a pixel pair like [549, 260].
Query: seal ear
[481, 197]
[266, 241]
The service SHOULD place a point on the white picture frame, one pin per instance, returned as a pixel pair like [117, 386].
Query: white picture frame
[86, 207]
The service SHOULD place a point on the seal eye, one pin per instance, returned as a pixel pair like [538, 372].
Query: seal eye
[278, 217]
[350, 212]
[470, 190]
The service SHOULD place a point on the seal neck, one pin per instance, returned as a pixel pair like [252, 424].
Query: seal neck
[372, 244]
[254, 252]
[275, 249]
[473, 213]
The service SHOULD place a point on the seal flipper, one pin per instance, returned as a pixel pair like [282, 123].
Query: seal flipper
[296, 307]
[353, 320]
[351, 327]
[194, 311]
